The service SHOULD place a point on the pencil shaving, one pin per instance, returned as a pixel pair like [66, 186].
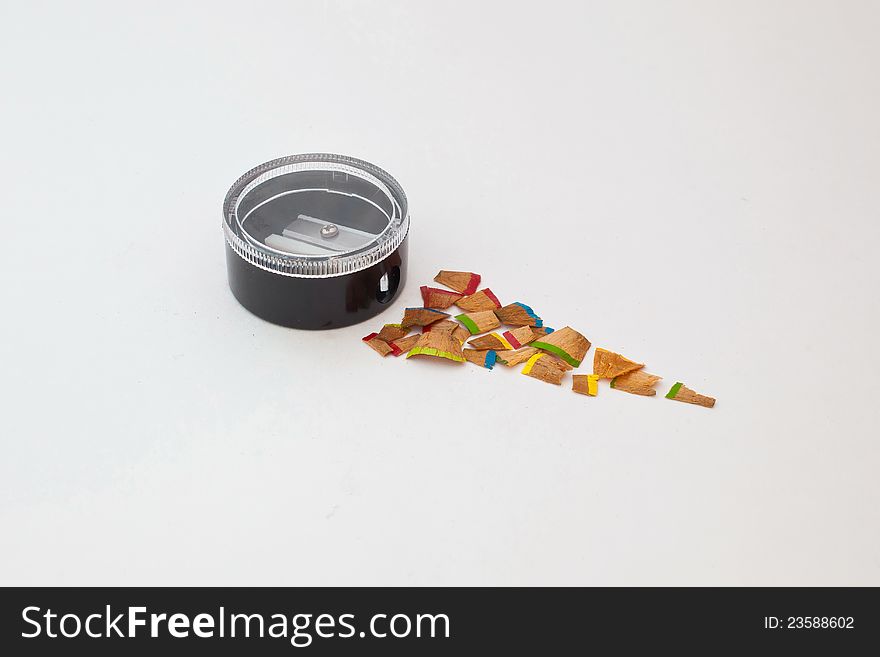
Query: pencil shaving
[433, 297]
[437, 344]
[519, 337]
[379, 346]
[607, 364]
[636, 382]
[482, 357]
[547, 368]
[444, 326]
[513, 358]
[482, 300]
[421, 317]
[405, 344]
[479, 322]
[391, 332]
[518, 314]
[464, 282]
[585, 384]
[566, 343]
[679, 392]
[491, 341]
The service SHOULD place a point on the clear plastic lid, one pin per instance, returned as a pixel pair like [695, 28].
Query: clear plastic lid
[315, 215]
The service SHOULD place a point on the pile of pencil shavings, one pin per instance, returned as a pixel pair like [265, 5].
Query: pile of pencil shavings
[510, 334]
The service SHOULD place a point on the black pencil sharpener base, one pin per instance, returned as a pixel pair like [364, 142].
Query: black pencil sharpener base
[317, 303]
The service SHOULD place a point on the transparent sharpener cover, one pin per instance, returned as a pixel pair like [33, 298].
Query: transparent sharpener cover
[315, 215]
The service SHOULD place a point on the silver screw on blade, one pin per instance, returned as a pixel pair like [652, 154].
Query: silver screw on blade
[329, 230]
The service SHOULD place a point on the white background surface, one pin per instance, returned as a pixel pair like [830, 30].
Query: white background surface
[693, 184]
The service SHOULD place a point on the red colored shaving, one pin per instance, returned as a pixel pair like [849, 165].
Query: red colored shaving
[473, 285]
[512, 340]
[427, 291]
[492, 296]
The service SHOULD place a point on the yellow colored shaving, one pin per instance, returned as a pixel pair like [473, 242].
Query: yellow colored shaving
[531, 362]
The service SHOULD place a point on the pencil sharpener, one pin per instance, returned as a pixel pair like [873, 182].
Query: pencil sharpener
[316, 241]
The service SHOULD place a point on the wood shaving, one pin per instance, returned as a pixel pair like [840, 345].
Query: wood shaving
[460, 281]
[637, 383]
[546, 368]
[433, 297]
[482, 357]
[479, 322]
[518, 314]
[421, 317]
[566, 343]
[679, 392]
[482, 300]
[607, 364]
[513, 358]
[585, 384]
